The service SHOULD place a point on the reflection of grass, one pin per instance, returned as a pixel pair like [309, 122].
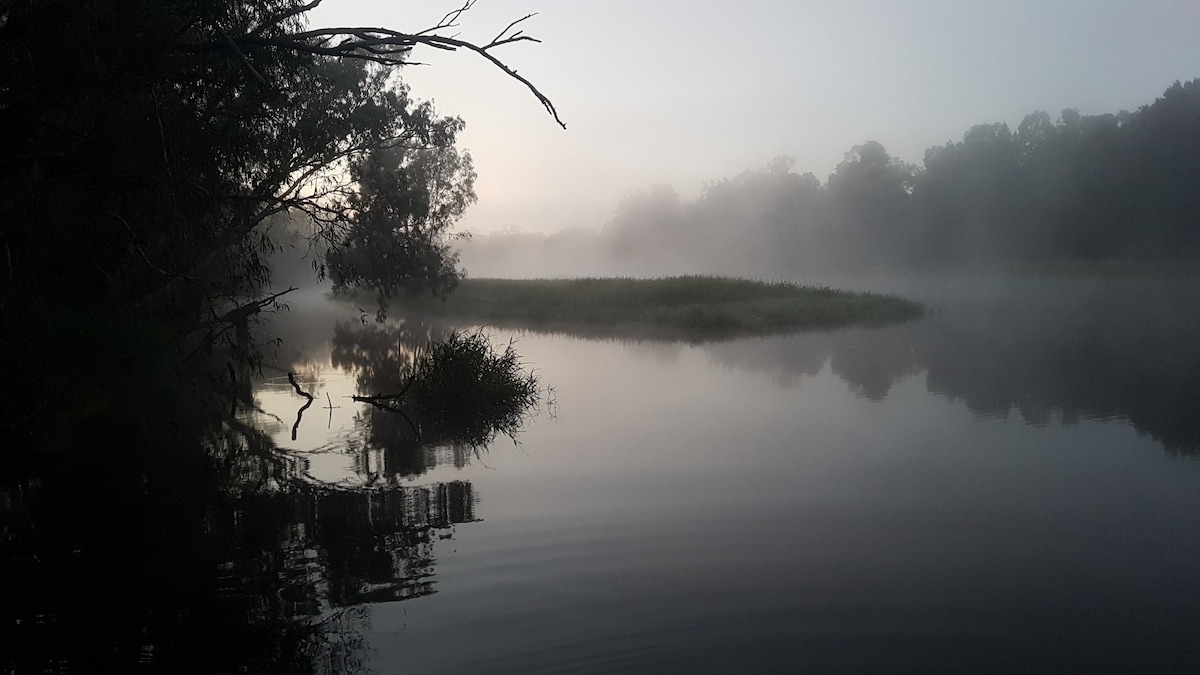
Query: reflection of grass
[690, 307]
[466, 391]
[460, 390]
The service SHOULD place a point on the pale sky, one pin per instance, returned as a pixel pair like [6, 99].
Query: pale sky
[683, 92]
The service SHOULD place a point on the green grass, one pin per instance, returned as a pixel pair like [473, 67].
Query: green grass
[689, 307]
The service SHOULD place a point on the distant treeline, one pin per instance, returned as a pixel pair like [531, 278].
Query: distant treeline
[1122, 186]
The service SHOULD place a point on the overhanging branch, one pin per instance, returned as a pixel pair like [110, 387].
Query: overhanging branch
[375, 44]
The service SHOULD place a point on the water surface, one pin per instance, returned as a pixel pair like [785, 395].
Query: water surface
[1006, 485]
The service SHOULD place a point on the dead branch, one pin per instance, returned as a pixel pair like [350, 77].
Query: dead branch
[388, 403]
[375, 44]
[252, 307]
[296, 385]
[300, 412]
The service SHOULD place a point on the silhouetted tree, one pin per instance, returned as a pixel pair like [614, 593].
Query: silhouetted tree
[147, 146]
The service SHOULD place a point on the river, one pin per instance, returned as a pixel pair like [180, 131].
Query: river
[1009, 484]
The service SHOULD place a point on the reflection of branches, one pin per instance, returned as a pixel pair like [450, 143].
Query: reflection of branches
[300, 412]
[390, 403]
[450, 389]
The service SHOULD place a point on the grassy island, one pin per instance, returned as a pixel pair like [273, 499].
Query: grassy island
[689, 307]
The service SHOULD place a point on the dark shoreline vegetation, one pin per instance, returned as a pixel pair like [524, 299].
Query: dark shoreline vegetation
[150, 189]
[689, 307]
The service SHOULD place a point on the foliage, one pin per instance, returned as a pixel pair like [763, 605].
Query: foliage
[469, 391]
[434, 387]
[1078, 189]
[156, 161]
[147, 168]
[690, 307]
[396, 240]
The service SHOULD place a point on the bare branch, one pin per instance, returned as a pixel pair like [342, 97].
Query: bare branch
[375, 44]
[496, 40]
[387, 403]
[305, 394]
[449, 21]
[300, 412]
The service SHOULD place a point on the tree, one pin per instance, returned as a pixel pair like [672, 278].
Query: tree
[148, 146]
[396, 238]
[870, 191]
[151, 152]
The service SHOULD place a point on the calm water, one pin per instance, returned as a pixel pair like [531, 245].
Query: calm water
[1007, 485]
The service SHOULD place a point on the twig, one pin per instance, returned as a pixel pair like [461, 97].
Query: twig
[384, 402]
[300, 412]
[376, 44]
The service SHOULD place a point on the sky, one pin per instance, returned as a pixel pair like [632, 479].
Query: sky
[683, 92]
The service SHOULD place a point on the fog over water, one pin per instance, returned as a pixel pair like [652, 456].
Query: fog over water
[998, 486]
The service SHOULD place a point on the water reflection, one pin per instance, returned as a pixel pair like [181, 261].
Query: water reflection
[1042, 350]
[182, 536]
[379, 356]
[1132, 359]
[205, 553]
[176, 535]
[435, 395]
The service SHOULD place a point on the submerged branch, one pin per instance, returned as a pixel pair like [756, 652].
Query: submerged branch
[300, 412]
[386, 402]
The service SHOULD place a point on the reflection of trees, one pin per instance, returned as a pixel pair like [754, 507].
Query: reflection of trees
[1099, 355]
[195, 548]
[380, 356]
[437, 395]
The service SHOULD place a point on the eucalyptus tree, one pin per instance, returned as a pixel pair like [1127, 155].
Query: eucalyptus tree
[148, 143]
[147, 148]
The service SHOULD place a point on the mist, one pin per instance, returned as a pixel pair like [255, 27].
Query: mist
[1072, 191]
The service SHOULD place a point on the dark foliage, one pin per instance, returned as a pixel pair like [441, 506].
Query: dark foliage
[433, 387]
[151, 150]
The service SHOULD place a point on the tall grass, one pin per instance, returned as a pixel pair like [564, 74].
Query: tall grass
[462, 390]
[696, 307]
[469, 391]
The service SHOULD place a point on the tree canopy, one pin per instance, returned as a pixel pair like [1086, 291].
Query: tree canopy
[151, 149]
[152, 152]
[1076, 188]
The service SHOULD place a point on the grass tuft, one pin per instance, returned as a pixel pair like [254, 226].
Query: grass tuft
[466, 391]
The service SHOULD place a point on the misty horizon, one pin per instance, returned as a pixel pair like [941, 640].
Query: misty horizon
[681, 93]
[1075, 189]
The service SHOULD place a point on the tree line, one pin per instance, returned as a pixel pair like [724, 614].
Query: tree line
[1122, 186]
